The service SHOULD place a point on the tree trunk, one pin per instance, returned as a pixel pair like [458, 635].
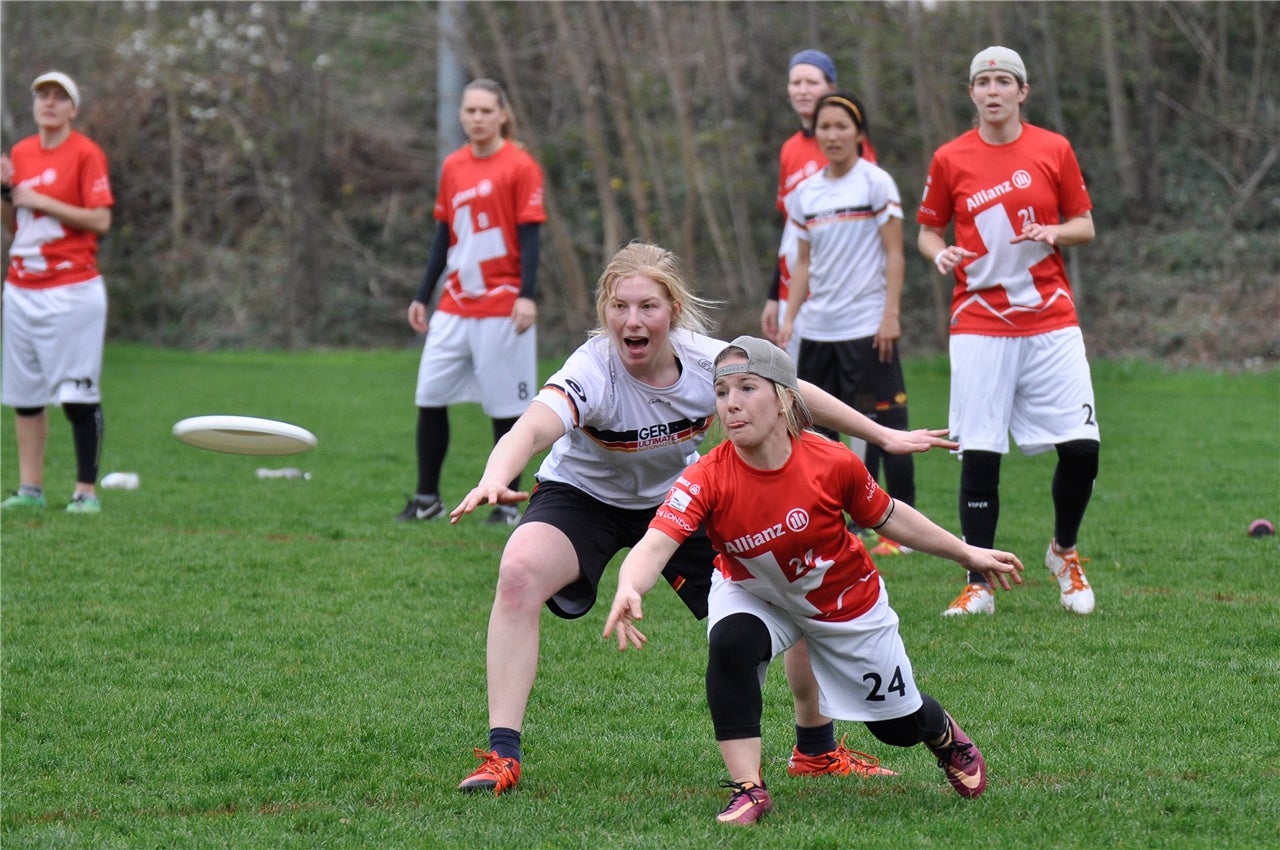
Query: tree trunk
[593, 132]
[1151, 191]
[931, 135]
[698, 194]
[574, 290]
[1117, 107]
[613, 61]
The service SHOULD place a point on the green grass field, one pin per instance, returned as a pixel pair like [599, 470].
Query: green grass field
[222, 661]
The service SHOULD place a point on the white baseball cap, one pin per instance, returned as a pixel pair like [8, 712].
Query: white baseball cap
[997, 58]
[58, 78]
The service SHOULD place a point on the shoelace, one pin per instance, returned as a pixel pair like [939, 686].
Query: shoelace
[843, 753]
[966, 595]
[954, 751]
[741, 788]
[493, 763]
[1072, 566]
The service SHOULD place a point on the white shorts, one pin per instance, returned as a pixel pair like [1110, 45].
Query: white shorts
[1036, 387]
[53, 338]
[861, 665]
[484, 360]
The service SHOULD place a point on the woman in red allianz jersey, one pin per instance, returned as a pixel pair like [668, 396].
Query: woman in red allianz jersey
[623, 415]
[482, 340]
[56, 201]
[1017, 197]
[773, 501]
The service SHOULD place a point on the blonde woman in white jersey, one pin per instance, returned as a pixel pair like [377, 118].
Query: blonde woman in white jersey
[623, 417]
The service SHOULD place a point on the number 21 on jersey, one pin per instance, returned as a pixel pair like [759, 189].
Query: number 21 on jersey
[1004, 265]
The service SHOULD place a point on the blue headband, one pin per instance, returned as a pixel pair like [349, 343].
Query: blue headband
[817, 59]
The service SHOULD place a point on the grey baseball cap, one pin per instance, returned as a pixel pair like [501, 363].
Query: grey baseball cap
[770, 362]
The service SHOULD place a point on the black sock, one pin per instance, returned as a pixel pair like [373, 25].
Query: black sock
[979, 502]
[432, 445]
[505, 742]
[816, 740]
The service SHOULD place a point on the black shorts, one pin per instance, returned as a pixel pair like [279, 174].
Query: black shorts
[598, 532]
[851, 371]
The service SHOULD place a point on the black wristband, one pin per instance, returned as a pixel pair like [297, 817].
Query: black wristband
[6, 194]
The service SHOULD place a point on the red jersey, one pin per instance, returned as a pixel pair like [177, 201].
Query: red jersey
[483, 201]
[992, 191]
[781, 533]
[46, 253]
[800, 158]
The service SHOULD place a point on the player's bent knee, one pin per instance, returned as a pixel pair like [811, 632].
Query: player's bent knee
[1084, 452]
[80, 412]
[739, 639]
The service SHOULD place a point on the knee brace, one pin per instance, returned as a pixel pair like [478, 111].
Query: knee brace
[1081, 456]
[927, 723]
[79, 412]
[736, 648]
[1073, 487]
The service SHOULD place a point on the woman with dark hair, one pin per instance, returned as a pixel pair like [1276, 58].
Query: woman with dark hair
[1018, 366]
[848, 282]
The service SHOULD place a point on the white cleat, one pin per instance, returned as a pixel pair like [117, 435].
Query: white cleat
[976, 598]
[1077, 595]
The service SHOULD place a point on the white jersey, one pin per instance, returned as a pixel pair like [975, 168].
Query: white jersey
[625, 441]
[841, 219]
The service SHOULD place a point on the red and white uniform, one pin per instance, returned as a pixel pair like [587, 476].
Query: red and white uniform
[1018, 363]
[786, 557]
[55, 301]
[473, 352]
[45, 253]
[794, 552]
[799, 159]
[483, 201]
[992, 191]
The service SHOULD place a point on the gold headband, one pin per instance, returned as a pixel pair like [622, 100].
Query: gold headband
[853, 107]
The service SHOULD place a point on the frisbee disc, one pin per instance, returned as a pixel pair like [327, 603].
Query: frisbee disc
[244, 435]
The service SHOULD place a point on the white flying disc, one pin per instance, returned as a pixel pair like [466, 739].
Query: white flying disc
[244, 435]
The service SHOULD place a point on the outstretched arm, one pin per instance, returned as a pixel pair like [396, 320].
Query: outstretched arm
[830, 412]
[636, 577]
[536, 429]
